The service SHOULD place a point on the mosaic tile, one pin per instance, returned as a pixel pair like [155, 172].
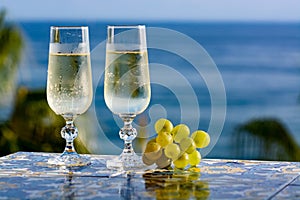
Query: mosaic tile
[26, 175]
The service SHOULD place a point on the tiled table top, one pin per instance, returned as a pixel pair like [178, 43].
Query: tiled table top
[26, 175]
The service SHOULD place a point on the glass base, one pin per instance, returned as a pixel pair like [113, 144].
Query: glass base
[70, 160]
[126, 161]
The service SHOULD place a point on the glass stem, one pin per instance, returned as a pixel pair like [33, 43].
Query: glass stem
[69, 133]
[128, 133]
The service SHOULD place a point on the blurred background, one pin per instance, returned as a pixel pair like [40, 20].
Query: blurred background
[254, 44]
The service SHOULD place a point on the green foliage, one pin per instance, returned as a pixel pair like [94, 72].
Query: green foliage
[266, 139]
[11, 44]
[33, 126]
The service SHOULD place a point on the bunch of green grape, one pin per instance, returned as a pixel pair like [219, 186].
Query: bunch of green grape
[175, 145]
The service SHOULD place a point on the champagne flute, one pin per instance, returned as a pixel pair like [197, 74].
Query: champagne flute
[126, 85]
[69, 85]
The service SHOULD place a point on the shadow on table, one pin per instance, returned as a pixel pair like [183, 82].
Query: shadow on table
[265, 139]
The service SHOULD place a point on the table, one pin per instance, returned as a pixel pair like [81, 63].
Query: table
[26, 175]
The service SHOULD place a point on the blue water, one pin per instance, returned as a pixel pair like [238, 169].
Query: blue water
[259, 64]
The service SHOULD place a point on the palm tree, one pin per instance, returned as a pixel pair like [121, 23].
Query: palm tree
[267, 139]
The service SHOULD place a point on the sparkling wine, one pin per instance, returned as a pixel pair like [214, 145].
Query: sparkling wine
[69, 86]
[127, 84]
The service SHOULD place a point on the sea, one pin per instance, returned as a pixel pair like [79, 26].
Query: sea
[212, 76]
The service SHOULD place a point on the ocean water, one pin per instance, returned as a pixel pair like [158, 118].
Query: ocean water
[257, 63]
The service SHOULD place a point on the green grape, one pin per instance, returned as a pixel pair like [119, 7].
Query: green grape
[187, 144]
[163, 161]
[153, 150]
[172, 151]
[179, 132]
[162, 151]
[201, 138]
[163, 125]
[182, 161]
[147, 161]
[194, 158]
[152, 146]
[164, 138]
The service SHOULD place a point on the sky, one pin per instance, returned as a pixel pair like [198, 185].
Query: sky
[198, 10]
